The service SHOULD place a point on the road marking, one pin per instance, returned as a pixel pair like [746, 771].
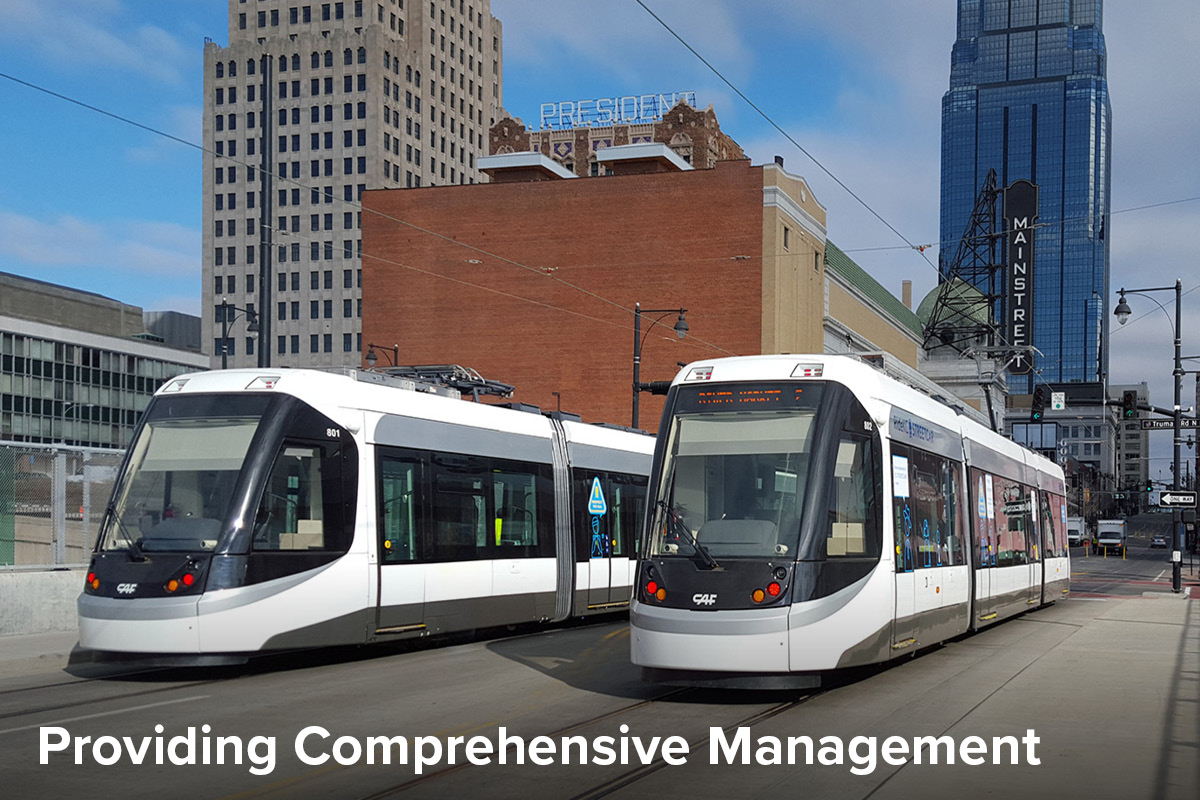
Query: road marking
[1160, 575]
[104, 714]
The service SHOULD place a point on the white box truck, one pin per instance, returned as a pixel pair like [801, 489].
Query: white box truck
[1076, 531]
[1110, 536]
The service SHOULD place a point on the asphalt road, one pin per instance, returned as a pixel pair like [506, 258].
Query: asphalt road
[1142, 569]
[1090, 670]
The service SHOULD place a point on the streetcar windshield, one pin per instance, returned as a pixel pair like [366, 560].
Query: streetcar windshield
[179, 480]
[733, 479]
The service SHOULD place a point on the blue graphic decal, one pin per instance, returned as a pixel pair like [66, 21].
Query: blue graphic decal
[598, 539]
[596, 502]
[908, 553]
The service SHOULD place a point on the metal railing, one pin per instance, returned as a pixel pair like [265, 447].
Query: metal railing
[52, 498]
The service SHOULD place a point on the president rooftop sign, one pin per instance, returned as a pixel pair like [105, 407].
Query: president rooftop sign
[610, 110]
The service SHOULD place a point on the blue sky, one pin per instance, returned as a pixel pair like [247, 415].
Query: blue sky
[90, 202]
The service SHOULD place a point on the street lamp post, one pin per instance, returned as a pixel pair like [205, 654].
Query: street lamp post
[681, 330]
[1122, 313]
[372, 359]
[62, 417]
[251, 326]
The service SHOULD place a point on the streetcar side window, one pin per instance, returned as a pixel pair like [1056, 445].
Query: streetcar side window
[435, 507]
[1004, 522]
[854, 530]
[630, 494]
[459, 510]
[399, 509]
[616, 531]
[984, 552]
[1013, 545]
[300, 504]
[925, 489]
[1060, 526]
[1055, 535]
[515, 502]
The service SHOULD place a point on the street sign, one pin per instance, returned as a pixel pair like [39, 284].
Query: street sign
[1058, 401]
[1177, 499]
[1168, 424]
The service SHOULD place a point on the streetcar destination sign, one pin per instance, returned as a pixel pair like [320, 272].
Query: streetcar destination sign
[1168, 424]
[1180, 499]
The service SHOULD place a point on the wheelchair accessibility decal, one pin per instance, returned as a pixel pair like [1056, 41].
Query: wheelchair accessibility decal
[597, 507]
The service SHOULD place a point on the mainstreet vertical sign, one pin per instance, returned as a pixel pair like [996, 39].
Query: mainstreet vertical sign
[1020, 213]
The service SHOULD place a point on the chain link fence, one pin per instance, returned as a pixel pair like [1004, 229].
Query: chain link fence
[52, 498]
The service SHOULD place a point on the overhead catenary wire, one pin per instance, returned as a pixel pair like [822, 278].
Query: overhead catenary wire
[1055, 223]
[770, 121]
[546, 270]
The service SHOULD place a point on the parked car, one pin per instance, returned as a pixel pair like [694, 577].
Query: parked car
[1158, 540]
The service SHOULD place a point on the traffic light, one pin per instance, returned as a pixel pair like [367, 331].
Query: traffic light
[1149, 486]
[1037, 407]
[1128, 405]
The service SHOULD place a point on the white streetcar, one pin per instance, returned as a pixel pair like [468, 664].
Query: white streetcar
[810, 513]
[261, 510]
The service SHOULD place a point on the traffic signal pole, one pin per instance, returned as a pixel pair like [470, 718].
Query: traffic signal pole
[1176, 512]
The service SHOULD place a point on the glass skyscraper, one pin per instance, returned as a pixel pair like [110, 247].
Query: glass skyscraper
[1028, 97]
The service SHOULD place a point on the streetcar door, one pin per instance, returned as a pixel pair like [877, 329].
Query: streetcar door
[401, 597]
[597, 531]
[983, 552]
[1036, 544]
[516, 543]
[627, 505]
[904, 631]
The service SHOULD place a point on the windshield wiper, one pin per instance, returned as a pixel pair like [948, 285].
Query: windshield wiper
[678, 526]
[131, 544]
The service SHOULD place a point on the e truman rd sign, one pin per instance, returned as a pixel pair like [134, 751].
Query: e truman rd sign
[1168, 424]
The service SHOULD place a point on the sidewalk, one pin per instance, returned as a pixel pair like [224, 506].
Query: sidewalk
[31, 653]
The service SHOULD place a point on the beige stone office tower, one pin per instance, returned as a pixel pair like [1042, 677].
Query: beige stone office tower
[309, 105]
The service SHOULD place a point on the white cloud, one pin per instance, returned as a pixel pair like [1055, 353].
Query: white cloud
[182, 122]
[619, 39]
[94, 34]
[142, 248]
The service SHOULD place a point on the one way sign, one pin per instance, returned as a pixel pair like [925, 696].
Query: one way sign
[1177, 499]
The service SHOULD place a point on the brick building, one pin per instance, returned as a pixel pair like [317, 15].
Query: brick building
[694, 135]
[533, 282]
